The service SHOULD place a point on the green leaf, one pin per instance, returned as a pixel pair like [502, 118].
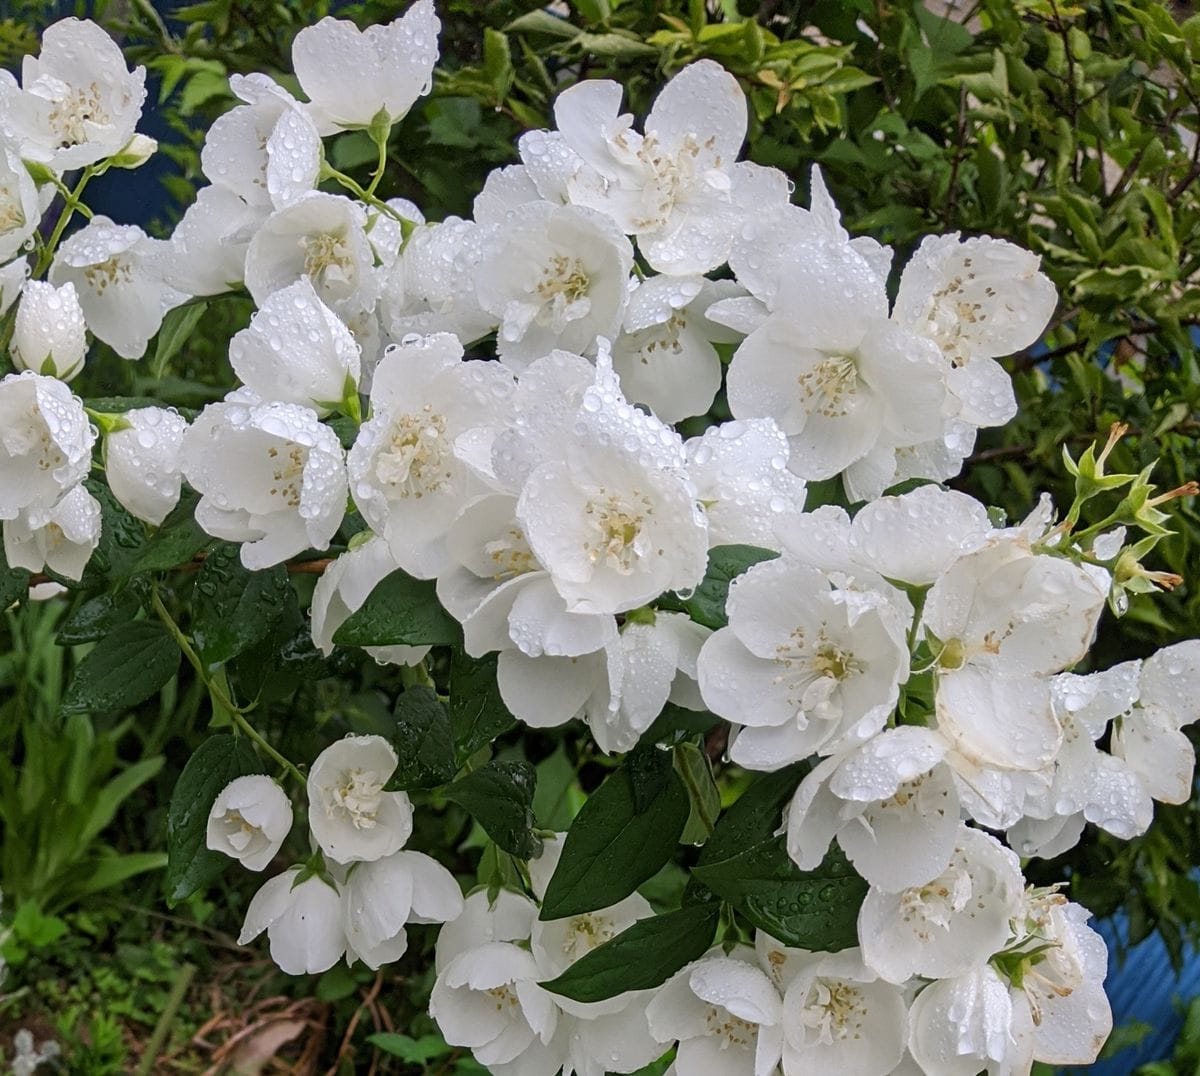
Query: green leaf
[177, 328]
[122, 539]
[97, 617]
[414, 1051]
[400, 610]
[217, 761]
[558, 797]
[543, 22]
[747, 865]
[477, 713]
[705, 801]
[612, 847]
[642, 956]
[125, 668]
[234, 608]
[176, 541]
[14, 582]
[499, 796]
[614, 45]
[422, 740]
[706, 605]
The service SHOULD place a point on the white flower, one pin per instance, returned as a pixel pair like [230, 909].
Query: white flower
[50, 336]
[143, 462]
[726, 1014]
[803, 664]
[297, 350]
[742, 479]
[971, 1023]
[342, 589]
[891, 804]
[45, 442]
[249, 821]
[350, 75]
[270, 476]
[488, 998]
[419, 458]
[20, 208]
[845, 385]
[676, 187]
[117, 271]
[321, 237]
[614, 518]
[839, 1017]
[351, 817]
[78, 101]
[665, 355]
[977, 299]
[507, 918]
[208, 246]
[61, 538]
[267, 150]
[380, 897]
[302, 921]
[12, 281]
[947, 925]
[553, 277]
[1004, 619]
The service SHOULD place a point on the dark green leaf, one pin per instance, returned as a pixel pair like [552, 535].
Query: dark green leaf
[126, 667]
[706, 605]
[747, 865]
[234, 608]
[642, 956]
[477, 713]
[423, 740]
[405, 1047]
[97, 617]
[14, 582]
[677, 721]
[694, 770]
[499, 796]
[217, 761]
[612, 848]
[400, 610]
[177, 541]
[177, 326]
[122, 539]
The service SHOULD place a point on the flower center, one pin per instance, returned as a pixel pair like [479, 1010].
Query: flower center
[828, 386]
[416, 459]
[504, 997]
[585, 932]
[614, 525]
[327, 259]
[953, 310]
[287, 473]
[12, 216]
[238, 832]
[729, 1029]
[116, 270]
[510, 554]
[74, 111]
[937, 902]
[833, 1011]
[563, 290]
[812, 670]
[357, 794]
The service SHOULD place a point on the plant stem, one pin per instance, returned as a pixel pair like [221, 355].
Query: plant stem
[71, 204]
[218, 690]
[183, 979]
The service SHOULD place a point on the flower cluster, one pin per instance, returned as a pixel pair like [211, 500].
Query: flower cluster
[497, 400]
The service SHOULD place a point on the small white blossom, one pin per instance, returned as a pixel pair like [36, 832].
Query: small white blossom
[45, 442]
[270, 476]
[380, 897]
[118, 273]
[297, 350]
[208, 246]
[12, 281]
[423, 453]
[78, 102]
[61, 537]
[351, 74]
[249, 821]
[803, 664]
[50, 336]
[302, 921]
[553, 277]
[351, 817]
[20, 207]
[143, 462]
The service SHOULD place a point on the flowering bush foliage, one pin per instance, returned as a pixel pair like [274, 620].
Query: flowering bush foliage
[469, 431]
